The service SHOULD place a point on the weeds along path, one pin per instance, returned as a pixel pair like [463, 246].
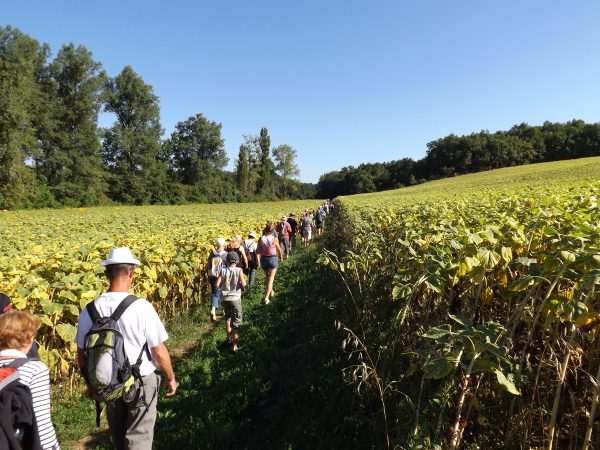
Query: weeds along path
[283, 389]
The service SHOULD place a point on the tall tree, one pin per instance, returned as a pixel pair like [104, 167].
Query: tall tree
[198, 150]
[22, 60]
[68, 131]
[242, 170]
[285, 159]
[131, 148]
[266, 165]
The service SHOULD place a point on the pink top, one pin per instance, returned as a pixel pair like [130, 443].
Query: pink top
[266, 246]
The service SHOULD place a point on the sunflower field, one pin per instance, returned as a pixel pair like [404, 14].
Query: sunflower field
[50, 259]
[473, 308]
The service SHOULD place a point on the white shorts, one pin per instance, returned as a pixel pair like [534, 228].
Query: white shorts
[307, 234]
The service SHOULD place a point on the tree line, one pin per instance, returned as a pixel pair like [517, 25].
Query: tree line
[53, 152]
[457, 155]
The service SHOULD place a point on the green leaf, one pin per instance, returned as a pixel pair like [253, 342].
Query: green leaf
[68, 295]
[163, 292]
[66, 331]
[507, 254]
[549, 231]
[489, 258]
[507, 383]
[525, 261]
[461, 320]
[438, 332]
[438, 368]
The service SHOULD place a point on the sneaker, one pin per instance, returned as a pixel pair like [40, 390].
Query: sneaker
[267, 300]
[229, 340]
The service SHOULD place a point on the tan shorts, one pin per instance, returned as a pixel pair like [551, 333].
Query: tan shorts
[233, 312]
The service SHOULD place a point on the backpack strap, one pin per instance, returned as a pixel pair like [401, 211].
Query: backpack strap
[125, 303]
[92, 311]
[15, 364]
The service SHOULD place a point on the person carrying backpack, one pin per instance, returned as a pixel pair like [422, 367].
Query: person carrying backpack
[283, 235]
[250, 248]
[25, 420]
[294, 227]
[216, 260]
[231, 281]
[120, 343]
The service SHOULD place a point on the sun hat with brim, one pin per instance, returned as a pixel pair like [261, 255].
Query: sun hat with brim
[283, 218]
[120, 255]
[252, 234]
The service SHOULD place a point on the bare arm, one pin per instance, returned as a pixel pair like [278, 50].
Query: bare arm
[80, 362]
[161, 356]
[244, 257]
[242, 280]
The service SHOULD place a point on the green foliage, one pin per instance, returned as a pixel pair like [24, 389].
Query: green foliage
[21, 63]
[196, 150]
[131, 147]
[266, 164]
[51, 152]
[456, 155]
[67, 127]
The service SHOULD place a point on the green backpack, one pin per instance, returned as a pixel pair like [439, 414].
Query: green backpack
[106, 367]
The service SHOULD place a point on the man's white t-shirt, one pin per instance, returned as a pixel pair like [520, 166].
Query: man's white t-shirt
[138, 324]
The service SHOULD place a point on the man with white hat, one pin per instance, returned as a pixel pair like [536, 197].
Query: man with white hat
[131, 424]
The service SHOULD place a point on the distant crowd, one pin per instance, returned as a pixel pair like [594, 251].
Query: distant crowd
[120, 339]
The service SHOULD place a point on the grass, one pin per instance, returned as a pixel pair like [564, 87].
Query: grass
[283, 389]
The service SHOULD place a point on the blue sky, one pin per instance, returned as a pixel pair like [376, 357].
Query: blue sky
[343, 82]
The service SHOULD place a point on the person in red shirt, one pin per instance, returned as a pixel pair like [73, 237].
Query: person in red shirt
[284, 231]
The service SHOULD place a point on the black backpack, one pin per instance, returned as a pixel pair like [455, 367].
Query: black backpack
[18, 428]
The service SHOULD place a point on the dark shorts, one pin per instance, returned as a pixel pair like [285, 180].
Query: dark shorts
[233, 312]
[269, 262]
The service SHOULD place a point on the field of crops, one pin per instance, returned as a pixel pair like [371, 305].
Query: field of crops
[50, 259]
[473, 307]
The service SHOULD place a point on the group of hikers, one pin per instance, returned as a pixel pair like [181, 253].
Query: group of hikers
[120, 340]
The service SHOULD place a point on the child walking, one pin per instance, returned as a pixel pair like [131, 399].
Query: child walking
[231, 281]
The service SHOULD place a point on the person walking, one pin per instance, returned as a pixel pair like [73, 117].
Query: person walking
[250, 249]
[294, 227]
[216, 260]
[235, 245]
[320, 220]
[131, 424]
[306, 225]
[231, 282]
[268, 249]
[284, 230]
[17, 333]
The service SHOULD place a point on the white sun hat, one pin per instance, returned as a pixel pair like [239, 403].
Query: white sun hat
[120, 255]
